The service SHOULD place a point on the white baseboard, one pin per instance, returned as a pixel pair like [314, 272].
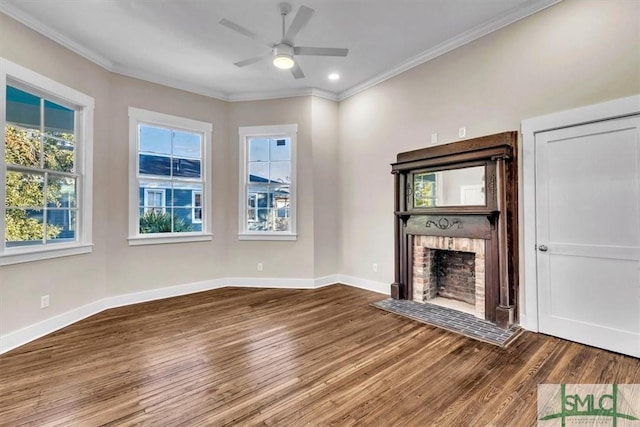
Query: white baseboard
[161, 293]
[270, 282]
[326, 280]
[32, 332]
[23, 336]
[369, 285]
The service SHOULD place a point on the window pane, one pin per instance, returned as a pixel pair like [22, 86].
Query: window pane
[280, 220]
[58, 152]
[259, 197]
[150, 164]
[280, 172]
[186, 145]
[155, 140]
[61, 192]
[22, 146]
[183, 194]
[258, 149]
[24, 190]
[23, 109]
[155, 222]
[260, 221]
[186, 168]
[58, 119]
[152, 194]
[23, 227]
[280, 149]
[182, 220]
[259, 172]
[61, 225]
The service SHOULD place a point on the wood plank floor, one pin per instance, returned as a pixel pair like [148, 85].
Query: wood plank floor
[284, 357]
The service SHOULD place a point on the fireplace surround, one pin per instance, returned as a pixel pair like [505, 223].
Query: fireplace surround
[459, 197]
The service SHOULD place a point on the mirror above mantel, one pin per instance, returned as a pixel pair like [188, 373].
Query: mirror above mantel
[440, 187]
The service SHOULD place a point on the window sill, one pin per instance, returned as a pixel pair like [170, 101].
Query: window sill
[163, 239]
[21, 255]
[267, 236]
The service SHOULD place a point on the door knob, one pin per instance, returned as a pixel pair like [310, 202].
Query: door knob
[543, 248]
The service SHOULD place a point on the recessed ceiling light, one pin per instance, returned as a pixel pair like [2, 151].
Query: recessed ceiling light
[334, 76]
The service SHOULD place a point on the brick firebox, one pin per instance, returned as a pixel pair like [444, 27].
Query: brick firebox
[465, 260]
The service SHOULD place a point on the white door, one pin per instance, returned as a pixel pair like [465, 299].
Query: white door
[588, 233]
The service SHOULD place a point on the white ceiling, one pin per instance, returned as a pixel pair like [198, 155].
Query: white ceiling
[180, 43]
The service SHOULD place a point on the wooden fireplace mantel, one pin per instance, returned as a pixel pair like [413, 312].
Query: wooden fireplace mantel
[495, 222]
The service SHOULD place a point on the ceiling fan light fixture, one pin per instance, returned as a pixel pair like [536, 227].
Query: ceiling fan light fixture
[283, 61]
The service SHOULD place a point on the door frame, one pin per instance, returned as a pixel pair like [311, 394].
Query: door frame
[622, 107]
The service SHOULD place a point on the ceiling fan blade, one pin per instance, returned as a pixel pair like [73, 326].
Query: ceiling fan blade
[320, 51]
[252, 60]
[248, 33]
[297, 71]
[301, 19]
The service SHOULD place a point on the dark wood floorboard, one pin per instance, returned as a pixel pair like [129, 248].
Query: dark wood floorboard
[273, 357]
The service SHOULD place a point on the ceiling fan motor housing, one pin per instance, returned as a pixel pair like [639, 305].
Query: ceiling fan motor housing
[283, 49]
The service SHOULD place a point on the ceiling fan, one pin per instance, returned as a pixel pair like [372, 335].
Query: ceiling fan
[284, 52]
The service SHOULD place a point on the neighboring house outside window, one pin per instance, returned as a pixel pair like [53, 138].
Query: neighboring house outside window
[196, 211]
[267, 182]
[47, 129]
[170, 178]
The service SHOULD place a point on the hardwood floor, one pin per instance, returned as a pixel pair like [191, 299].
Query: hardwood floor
[269, 357]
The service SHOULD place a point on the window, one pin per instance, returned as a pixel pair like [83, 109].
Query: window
[196, 211]
[267, 193]
[154, 200]
[170, 178]
[46, 167]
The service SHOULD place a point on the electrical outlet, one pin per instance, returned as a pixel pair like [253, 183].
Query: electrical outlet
[434, 138]
[375, 268]
[260, 266]
[462, 132]
[44, 301]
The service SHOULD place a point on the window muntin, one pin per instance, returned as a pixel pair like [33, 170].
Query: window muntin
[268, 182]
[170, 178]
[45, 165]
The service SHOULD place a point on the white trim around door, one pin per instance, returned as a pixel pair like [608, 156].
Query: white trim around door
[530, 127]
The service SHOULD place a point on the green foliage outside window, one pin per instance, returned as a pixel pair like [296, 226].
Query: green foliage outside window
[23, 147]
[160, 222]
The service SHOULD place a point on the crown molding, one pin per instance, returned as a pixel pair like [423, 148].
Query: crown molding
[12, 11]
[451, 44]
[260, 96]
[443, 48]
[170, 82]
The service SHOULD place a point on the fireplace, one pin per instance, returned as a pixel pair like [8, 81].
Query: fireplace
[449, 271]
[456, 227]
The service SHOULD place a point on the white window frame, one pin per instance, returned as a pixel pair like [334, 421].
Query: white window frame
[11, 73]
[155, 190]
[137, 117]
[194, 207]
[245, 132]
